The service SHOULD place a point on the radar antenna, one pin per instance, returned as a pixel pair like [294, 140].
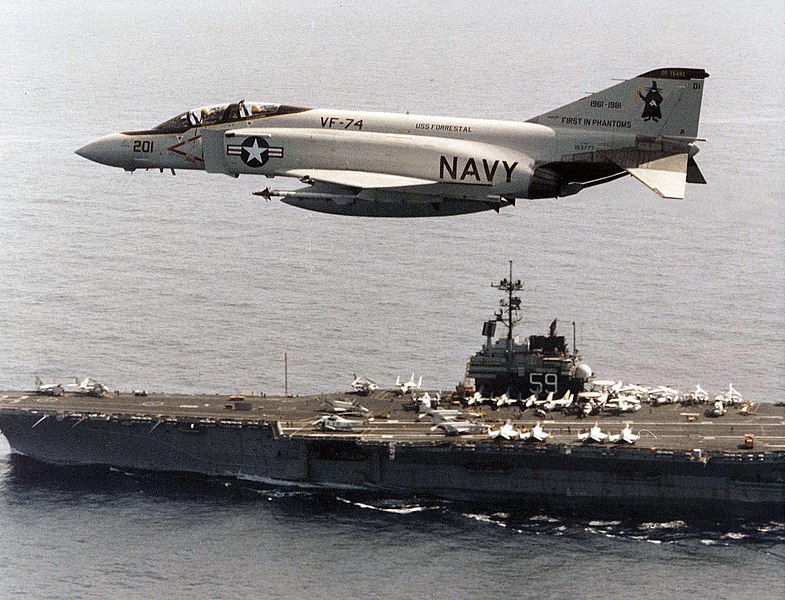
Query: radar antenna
[510, 306]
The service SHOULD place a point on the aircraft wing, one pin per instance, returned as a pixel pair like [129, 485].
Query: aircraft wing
[357, 179]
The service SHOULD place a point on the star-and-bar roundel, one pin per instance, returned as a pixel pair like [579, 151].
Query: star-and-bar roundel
[254, 151]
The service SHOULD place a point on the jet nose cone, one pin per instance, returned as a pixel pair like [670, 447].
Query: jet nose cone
[113, 150]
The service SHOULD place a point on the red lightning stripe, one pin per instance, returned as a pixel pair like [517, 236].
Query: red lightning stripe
[185, 155]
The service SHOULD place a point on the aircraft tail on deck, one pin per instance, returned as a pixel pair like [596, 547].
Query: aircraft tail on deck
[661, 108]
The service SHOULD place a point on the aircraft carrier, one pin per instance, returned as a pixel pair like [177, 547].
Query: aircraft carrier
[654, 452]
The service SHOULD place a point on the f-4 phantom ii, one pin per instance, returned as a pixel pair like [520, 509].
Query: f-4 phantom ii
[400, 165]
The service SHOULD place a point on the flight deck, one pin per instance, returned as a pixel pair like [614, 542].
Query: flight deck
[392, 416]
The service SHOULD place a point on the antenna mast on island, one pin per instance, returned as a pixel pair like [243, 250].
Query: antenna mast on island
[509, 307]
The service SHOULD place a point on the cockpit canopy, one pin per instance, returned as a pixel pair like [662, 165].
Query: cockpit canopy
[214, 115]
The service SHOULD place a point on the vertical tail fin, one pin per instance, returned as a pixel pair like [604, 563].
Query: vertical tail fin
[661, 109]
[659, 103]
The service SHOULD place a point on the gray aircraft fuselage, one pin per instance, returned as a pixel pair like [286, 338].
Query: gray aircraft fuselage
[385, 164]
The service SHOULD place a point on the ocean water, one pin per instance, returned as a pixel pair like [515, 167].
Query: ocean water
[190, 283]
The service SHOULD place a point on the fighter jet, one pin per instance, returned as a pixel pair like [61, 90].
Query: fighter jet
[363, 386]
[698, 396]
[476, 399]
[504, 400]
[595, 434]
[558, 404]
[48, 389]
[538, 434]
[730, 397]
[626, 435]
[506, 431]
[408, 386]
[530, 401]
[87, 387]
[379, 164]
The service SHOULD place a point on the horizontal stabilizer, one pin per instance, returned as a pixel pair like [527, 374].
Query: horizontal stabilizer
[694, 174]
[665, 173]
[357, 179]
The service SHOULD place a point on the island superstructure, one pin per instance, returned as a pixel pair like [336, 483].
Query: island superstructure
[540, 364]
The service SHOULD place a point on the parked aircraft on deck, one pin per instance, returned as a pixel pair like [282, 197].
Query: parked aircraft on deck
[460, 427]
[407, 387]
[48, 389]
[363, 386]
[506, 431]
[338, 423]
[342, 407]
[537, 433]
[626, 436]
[87, 387]
[595, 434]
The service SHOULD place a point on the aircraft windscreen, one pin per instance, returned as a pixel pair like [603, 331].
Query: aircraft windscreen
[177, 124]
[213, 115]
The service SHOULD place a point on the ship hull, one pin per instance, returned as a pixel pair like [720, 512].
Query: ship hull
[585, 479]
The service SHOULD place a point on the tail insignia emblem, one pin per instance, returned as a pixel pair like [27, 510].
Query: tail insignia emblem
[652, 101]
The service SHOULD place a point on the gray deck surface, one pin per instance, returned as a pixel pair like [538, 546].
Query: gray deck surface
[675, 427]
